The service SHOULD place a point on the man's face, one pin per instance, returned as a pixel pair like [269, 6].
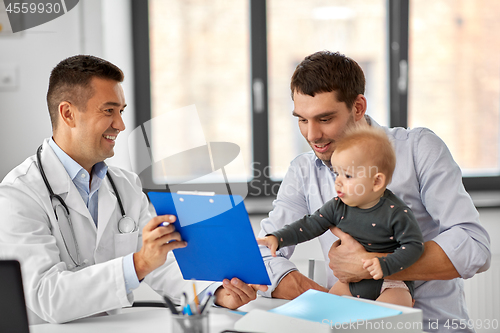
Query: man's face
[322, 121]
[98, 126]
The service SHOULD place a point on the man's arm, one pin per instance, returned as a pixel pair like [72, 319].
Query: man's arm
[294, 284]
[434, 264]
[461, 236]
[346, 262]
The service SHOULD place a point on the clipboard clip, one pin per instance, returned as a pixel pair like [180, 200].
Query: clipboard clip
[207, 194]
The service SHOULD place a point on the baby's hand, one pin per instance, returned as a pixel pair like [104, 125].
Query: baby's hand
[271, 242]
[373, 267]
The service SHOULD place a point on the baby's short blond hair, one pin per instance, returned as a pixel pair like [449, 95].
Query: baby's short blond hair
[375, 145]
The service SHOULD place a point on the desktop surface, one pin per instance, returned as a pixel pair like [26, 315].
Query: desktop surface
[135, 320]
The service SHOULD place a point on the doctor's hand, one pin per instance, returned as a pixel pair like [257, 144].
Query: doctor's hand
[157, 241]
[346, 256]
[235, 293]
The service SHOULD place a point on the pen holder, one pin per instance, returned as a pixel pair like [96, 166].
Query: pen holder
[190, 324]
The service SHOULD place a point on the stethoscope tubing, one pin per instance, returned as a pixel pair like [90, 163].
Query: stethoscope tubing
[53, 196]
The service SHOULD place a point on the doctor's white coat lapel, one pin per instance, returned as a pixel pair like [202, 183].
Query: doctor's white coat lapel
[83, 224]
[61, 183]
[107, 207]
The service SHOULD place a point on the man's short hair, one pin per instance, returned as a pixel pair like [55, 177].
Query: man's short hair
[326, 71]
[375, 145]
[70, 81]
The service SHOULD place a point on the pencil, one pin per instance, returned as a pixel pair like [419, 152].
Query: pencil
[196, 300]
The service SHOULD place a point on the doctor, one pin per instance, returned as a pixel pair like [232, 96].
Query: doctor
[83, 231]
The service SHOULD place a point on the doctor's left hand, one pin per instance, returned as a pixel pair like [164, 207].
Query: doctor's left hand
[156, 243]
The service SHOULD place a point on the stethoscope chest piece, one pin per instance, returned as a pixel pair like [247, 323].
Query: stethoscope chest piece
[126, 225]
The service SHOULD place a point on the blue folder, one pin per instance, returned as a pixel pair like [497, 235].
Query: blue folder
[221, 242]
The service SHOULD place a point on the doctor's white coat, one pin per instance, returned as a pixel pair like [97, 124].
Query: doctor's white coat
[57, 291]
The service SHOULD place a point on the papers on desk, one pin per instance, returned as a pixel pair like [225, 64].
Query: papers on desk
[316, 311]
[323, 307]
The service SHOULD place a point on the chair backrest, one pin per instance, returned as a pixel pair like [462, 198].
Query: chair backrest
[317, 272]
[13, 314]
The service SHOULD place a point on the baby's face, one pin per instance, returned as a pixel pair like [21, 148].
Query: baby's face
[354, 178]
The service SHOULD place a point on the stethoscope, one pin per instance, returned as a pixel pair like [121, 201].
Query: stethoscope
[125, 224]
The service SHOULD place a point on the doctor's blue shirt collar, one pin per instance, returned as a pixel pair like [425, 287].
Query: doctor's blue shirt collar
[73, 168]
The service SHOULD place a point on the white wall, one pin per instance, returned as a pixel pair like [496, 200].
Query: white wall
[24, 118]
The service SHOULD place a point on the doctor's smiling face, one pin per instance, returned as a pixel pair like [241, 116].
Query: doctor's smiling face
[90, 133]
[101, 122]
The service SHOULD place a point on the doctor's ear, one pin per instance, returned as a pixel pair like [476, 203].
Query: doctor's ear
[67, 113]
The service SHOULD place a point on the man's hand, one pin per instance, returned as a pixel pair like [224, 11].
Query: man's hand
[346, 256]
[157, 241]
[373, 266]
[294, 284]
[235, 293]
[271, 242]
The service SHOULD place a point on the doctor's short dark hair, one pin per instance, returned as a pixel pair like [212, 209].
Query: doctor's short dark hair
[70, 81]
[326, 71]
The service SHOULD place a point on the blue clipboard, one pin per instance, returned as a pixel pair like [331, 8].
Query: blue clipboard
[221, 242]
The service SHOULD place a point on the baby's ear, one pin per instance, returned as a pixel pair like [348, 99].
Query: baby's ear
[379, 182]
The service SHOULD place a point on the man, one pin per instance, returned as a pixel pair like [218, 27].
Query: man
[82, 230]
[327, 91]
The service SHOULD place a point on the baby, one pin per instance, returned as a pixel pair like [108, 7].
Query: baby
[363, 163]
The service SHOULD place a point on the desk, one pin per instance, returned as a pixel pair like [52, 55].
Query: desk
[151, 320]
[135, 320]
